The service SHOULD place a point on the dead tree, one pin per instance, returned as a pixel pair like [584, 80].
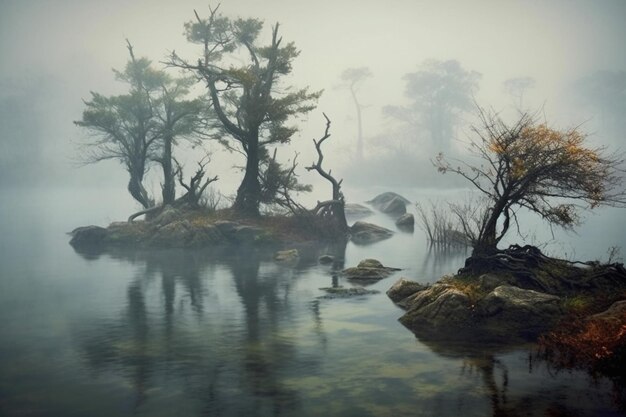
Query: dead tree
[278, 183]
[332, 210]
[195, 188]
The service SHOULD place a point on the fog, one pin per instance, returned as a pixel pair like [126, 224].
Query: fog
[55, 52]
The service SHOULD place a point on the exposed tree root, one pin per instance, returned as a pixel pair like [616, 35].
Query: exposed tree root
[533, 270]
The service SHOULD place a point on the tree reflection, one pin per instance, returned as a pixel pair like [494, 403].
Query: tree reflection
[510, 393]
[218, 322]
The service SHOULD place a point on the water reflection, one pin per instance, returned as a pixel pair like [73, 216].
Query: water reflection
[236, 345]
[516, 384]
[439, 258]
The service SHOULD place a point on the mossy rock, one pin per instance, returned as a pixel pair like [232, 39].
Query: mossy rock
[370, 263]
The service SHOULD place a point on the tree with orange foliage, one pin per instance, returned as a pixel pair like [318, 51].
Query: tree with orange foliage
[551, 172]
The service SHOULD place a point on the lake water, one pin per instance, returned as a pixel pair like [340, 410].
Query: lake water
[231, 333]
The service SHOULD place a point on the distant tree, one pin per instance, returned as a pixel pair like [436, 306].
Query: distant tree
[251, 105]
[353, 79]
[140, 127]
[440, 92]
[606, 92]
[516, 87]
[529, 165]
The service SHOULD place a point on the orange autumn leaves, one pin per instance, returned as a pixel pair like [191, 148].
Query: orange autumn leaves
[535, 149]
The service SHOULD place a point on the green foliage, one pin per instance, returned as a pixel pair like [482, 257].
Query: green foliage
[139, 127]
[252, 107]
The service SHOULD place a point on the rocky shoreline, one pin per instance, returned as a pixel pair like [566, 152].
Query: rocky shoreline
[512, 303]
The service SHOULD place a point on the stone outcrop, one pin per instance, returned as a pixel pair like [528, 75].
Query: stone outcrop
[169, 229]
[457, 309]
[403, 288]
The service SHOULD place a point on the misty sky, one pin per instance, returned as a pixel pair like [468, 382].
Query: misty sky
[54, 52]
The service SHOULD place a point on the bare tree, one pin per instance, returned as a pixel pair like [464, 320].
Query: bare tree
[334, 209]
[528, 165]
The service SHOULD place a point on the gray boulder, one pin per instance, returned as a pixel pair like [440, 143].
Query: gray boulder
[440, 306]
[385, 198]
[506, 312]
[356, 210]
[406, 221]
[403, 288]
[365, 233]
[394, 207]
[513, 310]
[368, 271]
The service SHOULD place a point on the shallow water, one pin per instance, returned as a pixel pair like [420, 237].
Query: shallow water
[231, 333]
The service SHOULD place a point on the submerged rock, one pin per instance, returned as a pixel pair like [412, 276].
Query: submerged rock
[287, 255]
[341, 292]
[363, 233]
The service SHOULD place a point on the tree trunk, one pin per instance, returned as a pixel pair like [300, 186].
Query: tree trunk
[487, 243]
[168, 187]
[249, 192]
[139, 193]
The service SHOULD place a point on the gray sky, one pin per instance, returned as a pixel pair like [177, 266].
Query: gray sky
[71, 45]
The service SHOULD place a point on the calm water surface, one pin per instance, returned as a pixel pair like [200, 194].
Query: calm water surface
[231, 333]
